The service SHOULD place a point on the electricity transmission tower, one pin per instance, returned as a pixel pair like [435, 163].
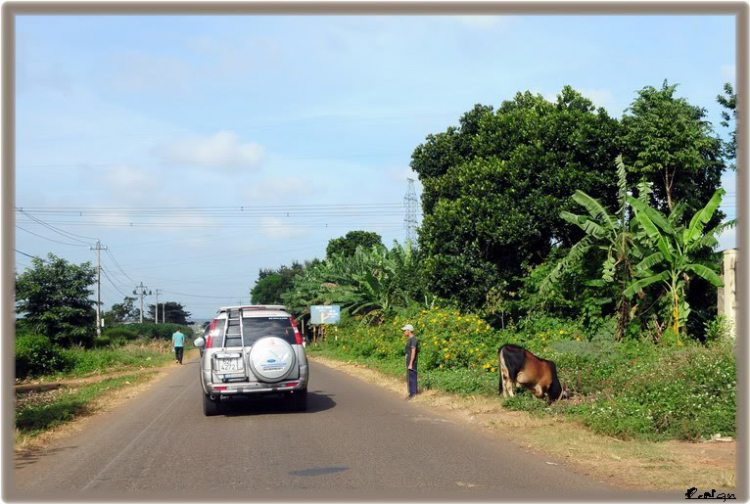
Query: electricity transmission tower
[410, 218]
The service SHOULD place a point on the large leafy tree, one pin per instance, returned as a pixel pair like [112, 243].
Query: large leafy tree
[347, 245]
[122, 312]
[54, 296]
[670, 143]
[273, 283]
[729, 102]
[494, 189]
[174, 313]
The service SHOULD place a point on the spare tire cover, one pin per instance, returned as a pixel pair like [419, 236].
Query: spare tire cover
[272, 359]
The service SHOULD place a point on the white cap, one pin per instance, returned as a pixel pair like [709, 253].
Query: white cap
[408, 327]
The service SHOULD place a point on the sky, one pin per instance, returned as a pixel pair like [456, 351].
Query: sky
[199, 149]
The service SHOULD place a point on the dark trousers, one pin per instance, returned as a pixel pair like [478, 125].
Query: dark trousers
[178, 353]
[411, 381]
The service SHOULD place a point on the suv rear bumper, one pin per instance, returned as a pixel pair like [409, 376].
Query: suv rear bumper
[250, 388]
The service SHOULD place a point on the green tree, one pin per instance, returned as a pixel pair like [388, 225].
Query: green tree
[122, 312]
[669, 142]
[366, 284]
[672, 254]
[273, 283]
[492, 201]
[174, 313]
[729, 102]
[347, 245]
[54, 298]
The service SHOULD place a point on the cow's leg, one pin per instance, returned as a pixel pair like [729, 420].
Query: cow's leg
[505, 377]
[539, 391]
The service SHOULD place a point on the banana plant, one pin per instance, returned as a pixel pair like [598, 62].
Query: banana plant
[670, 253]
[608, 232]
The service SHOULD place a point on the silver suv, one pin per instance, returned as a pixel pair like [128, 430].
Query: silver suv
[251, 350]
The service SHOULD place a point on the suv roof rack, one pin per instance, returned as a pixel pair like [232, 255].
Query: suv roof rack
[252, 307]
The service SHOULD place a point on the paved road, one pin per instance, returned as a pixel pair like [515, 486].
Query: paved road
[355, 441]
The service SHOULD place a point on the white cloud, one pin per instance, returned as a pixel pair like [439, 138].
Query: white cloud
[290, 186]
[481, 22]
[221, 150]
[728, 73]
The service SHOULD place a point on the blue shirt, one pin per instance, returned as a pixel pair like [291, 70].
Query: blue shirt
[178, 339]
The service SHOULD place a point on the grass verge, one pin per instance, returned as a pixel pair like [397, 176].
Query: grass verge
[636, 464]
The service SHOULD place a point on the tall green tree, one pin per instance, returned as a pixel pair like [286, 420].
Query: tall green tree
[494, 189]
[272, 284]
[670, 143]
[174, 313]
[54, 297]
[122, 312]
[347, 245]
[729, 102]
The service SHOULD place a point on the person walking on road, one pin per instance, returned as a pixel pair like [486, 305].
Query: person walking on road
[412, 358]
[178, 342]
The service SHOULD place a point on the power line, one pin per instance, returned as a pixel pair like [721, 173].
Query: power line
[119, 267]
[113, 284]
[59, 231]
[49, 239]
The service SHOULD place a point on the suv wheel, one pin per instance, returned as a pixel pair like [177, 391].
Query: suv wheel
[210, 406]
[298, 400]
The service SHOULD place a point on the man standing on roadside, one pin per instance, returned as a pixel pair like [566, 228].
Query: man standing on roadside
[412, 357]
[178, 342]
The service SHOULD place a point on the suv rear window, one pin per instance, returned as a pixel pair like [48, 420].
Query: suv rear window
[255, 328]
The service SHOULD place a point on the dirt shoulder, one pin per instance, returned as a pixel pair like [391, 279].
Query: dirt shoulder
[627, 464]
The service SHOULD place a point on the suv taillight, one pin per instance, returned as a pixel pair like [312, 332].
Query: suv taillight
[297, 335]
[211, 330]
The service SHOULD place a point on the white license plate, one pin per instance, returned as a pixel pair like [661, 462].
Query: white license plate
[229, 365]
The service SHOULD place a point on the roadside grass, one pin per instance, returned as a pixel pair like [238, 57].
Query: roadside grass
[142, 353]
[623, 390]
[38, 413]
[636, 463]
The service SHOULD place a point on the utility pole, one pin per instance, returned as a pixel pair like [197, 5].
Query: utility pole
[156, 309]
[140, 290]
[98, 249]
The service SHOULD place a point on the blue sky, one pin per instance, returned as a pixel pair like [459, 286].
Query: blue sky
[140, 112]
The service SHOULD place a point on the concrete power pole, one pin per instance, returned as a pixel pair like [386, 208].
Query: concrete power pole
[98, 249]
[410, 219]
[140, 290]
[156, 310]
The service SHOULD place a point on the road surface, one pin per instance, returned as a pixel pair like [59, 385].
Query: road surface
[355, 441]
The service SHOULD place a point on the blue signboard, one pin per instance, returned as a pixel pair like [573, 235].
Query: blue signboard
[325, 314]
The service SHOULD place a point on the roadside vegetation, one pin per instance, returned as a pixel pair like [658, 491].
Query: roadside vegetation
[39, 412]
[588, 239]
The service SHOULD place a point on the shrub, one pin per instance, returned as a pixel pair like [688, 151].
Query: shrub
[37, 355]
[120, 332]
[157, 331]
[102, 341]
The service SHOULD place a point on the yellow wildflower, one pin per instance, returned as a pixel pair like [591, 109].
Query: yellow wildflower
[493, 370]
[487, 366]
[562, 332]
[447, 355]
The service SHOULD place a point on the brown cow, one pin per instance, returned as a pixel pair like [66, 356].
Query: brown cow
[520, 367]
